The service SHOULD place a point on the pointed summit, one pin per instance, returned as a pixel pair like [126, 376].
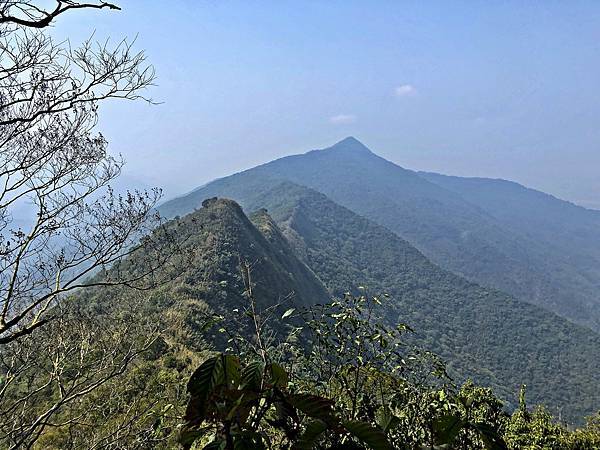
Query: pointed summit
[350, 144]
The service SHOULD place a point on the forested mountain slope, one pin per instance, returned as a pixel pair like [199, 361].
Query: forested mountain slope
[460, 232]
[571, 233]
[207, 276]
[221, 238]
[482, 333]
[174, 325]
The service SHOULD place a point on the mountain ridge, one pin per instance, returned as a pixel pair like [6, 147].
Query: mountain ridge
[448, 226]
[219, 238]
[482, 333]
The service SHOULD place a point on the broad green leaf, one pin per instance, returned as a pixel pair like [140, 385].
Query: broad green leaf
[279, 376]
[199, 386]
[215, 445]
[313, 406]
[248, 440]
[386, 420]
[447, 428]
[188, 436]
[490, 437]
[373, 437]
[311, 435]
[220, 370]
[231, 371]
[284, 410]
[252, 375]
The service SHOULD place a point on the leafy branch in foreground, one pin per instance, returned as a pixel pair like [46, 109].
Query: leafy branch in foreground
[234, 402]
[351, 385]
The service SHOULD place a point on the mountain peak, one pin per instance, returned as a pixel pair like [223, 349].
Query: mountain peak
[350, 144]
[220, 202]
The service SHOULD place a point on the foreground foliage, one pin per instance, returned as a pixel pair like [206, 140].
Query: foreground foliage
[356, 386]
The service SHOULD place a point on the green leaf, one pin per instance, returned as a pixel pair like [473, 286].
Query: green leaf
[252, 375]
[188, 436]
[231, 371]
[447, 428]
[490, 437]
[199, 386]
[313, 406]
[248, 440]
[221, 370]
[386, 420]
[284, 411]
[288, 313]
[279, 376]
[215, 445]
[311, 435]
[368, 434]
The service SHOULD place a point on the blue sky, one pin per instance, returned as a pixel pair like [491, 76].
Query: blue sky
[499, 89]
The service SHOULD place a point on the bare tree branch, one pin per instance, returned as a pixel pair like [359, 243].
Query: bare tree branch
[27, 14]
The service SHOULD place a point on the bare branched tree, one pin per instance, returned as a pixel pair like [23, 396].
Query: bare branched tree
[52, 164]
[75, 355]
[62, 228]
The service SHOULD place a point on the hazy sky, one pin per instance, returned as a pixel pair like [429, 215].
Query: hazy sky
[499, 89]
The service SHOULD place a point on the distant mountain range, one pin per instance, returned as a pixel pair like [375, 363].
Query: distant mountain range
[536, 247]
[307, 246]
